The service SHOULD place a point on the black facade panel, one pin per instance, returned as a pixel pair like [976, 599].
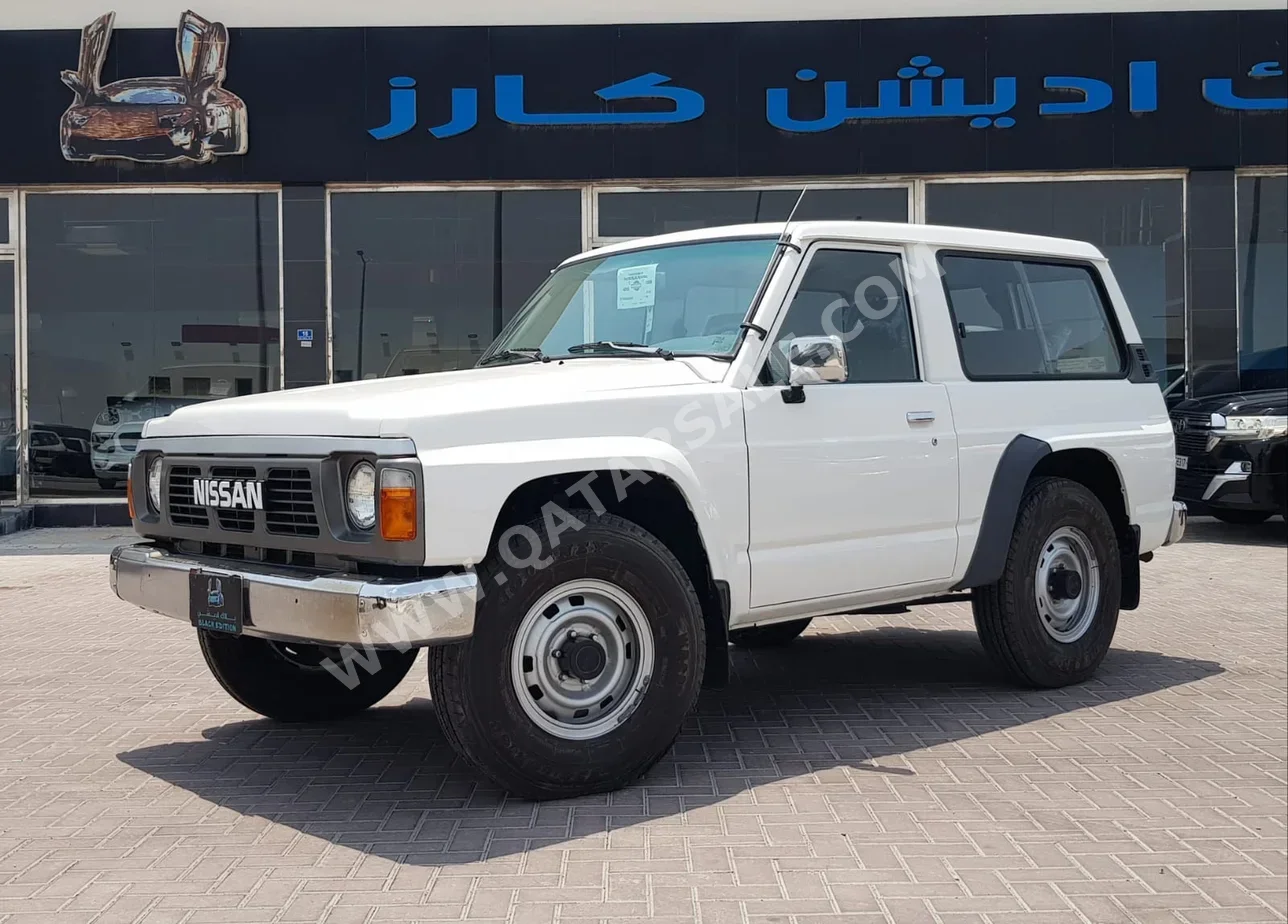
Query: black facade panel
[304, 284]
[313, 97]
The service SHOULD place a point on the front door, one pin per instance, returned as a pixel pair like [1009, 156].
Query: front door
[855, 488]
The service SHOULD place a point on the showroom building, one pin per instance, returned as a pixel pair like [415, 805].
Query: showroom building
[258, 196]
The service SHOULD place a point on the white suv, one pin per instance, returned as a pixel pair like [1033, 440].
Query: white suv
[679, 443]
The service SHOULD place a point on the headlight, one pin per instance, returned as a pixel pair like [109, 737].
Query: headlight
[360, 495]
[1250, 427]
[154, 484]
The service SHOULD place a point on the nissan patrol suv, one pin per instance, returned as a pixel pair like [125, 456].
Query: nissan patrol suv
[678, 443]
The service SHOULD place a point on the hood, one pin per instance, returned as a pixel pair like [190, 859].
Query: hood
[1248, 402]
[382, 407]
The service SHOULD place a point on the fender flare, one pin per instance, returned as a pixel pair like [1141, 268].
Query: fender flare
[997, 525]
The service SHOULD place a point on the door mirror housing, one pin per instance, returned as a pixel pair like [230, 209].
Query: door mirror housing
[816, 360]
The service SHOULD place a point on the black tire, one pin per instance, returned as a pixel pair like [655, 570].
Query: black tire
[288, 683]
[774, 635]
[1006, 613]
[475, 698]
[1242, 517]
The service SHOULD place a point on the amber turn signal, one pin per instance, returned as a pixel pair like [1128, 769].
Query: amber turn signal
[397, 505]
[129, 489]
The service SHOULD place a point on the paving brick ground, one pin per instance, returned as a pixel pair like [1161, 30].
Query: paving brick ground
[876, 771]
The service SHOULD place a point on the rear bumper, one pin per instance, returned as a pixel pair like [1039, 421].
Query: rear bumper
[293, 605]
[1176, 529]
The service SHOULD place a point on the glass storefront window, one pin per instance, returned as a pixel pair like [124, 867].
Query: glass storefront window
[8, 384]
[423, 281]
[1263, 281]
[139, 304]
[639, 214]
[1137, 224]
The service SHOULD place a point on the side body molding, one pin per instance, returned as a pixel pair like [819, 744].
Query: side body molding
[1018, 460]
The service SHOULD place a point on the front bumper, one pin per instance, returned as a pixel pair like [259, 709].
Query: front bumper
[1176, 529]
[1230, 474]
[288, 604]
[1232, 487]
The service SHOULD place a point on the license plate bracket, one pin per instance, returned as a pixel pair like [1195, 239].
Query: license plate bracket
[216, 602]
[1183, 462]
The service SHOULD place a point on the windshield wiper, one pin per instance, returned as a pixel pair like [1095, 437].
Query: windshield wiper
[617, 346]
[532, 353]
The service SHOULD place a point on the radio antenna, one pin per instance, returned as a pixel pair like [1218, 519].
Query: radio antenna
[784, 240]
[799, 200]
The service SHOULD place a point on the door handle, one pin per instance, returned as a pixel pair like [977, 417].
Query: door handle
[920, 416]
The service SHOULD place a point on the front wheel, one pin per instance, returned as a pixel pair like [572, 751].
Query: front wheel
[1242, 517]
[290, 682]
[581, 668]
[1051, 618]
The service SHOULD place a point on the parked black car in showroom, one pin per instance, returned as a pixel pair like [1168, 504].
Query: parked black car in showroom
[1232, 448]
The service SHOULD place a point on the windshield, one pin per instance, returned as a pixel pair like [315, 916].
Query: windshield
[685, 299]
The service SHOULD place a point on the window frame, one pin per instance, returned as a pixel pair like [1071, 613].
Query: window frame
[1098, 283]
[798, 277]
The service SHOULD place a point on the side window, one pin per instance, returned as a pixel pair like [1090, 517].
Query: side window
[1029, 319]
[858, 296]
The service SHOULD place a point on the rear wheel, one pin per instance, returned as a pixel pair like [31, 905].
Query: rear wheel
[1051, 618]
[580, 671]
[1242, 517]
[771, 636]
[291, 683]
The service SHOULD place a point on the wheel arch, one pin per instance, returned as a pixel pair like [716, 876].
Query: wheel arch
[656, 502]
[1025, 458]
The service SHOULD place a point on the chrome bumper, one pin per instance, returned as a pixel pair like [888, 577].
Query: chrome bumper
[1177, 527]
[292, 605]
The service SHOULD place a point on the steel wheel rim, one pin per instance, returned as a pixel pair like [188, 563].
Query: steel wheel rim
[568, 623]
[1066, 616]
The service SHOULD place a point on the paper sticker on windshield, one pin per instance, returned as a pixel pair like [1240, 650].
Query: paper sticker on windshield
[636, 286]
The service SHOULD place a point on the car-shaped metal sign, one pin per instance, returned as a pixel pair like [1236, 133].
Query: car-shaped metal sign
[154, 119]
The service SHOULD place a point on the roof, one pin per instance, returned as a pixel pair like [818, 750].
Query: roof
[803, 233]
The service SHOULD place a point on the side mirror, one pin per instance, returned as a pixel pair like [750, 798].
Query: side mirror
[815, 360]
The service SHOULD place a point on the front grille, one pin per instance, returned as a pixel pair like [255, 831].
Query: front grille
[289, 509]
[235, 520]
[1191, 442]
[183, 510]
[291, 523]
[1192, 439]
[288, 489]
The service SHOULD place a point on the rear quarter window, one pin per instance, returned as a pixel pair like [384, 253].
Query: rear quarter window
[1025, 318]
